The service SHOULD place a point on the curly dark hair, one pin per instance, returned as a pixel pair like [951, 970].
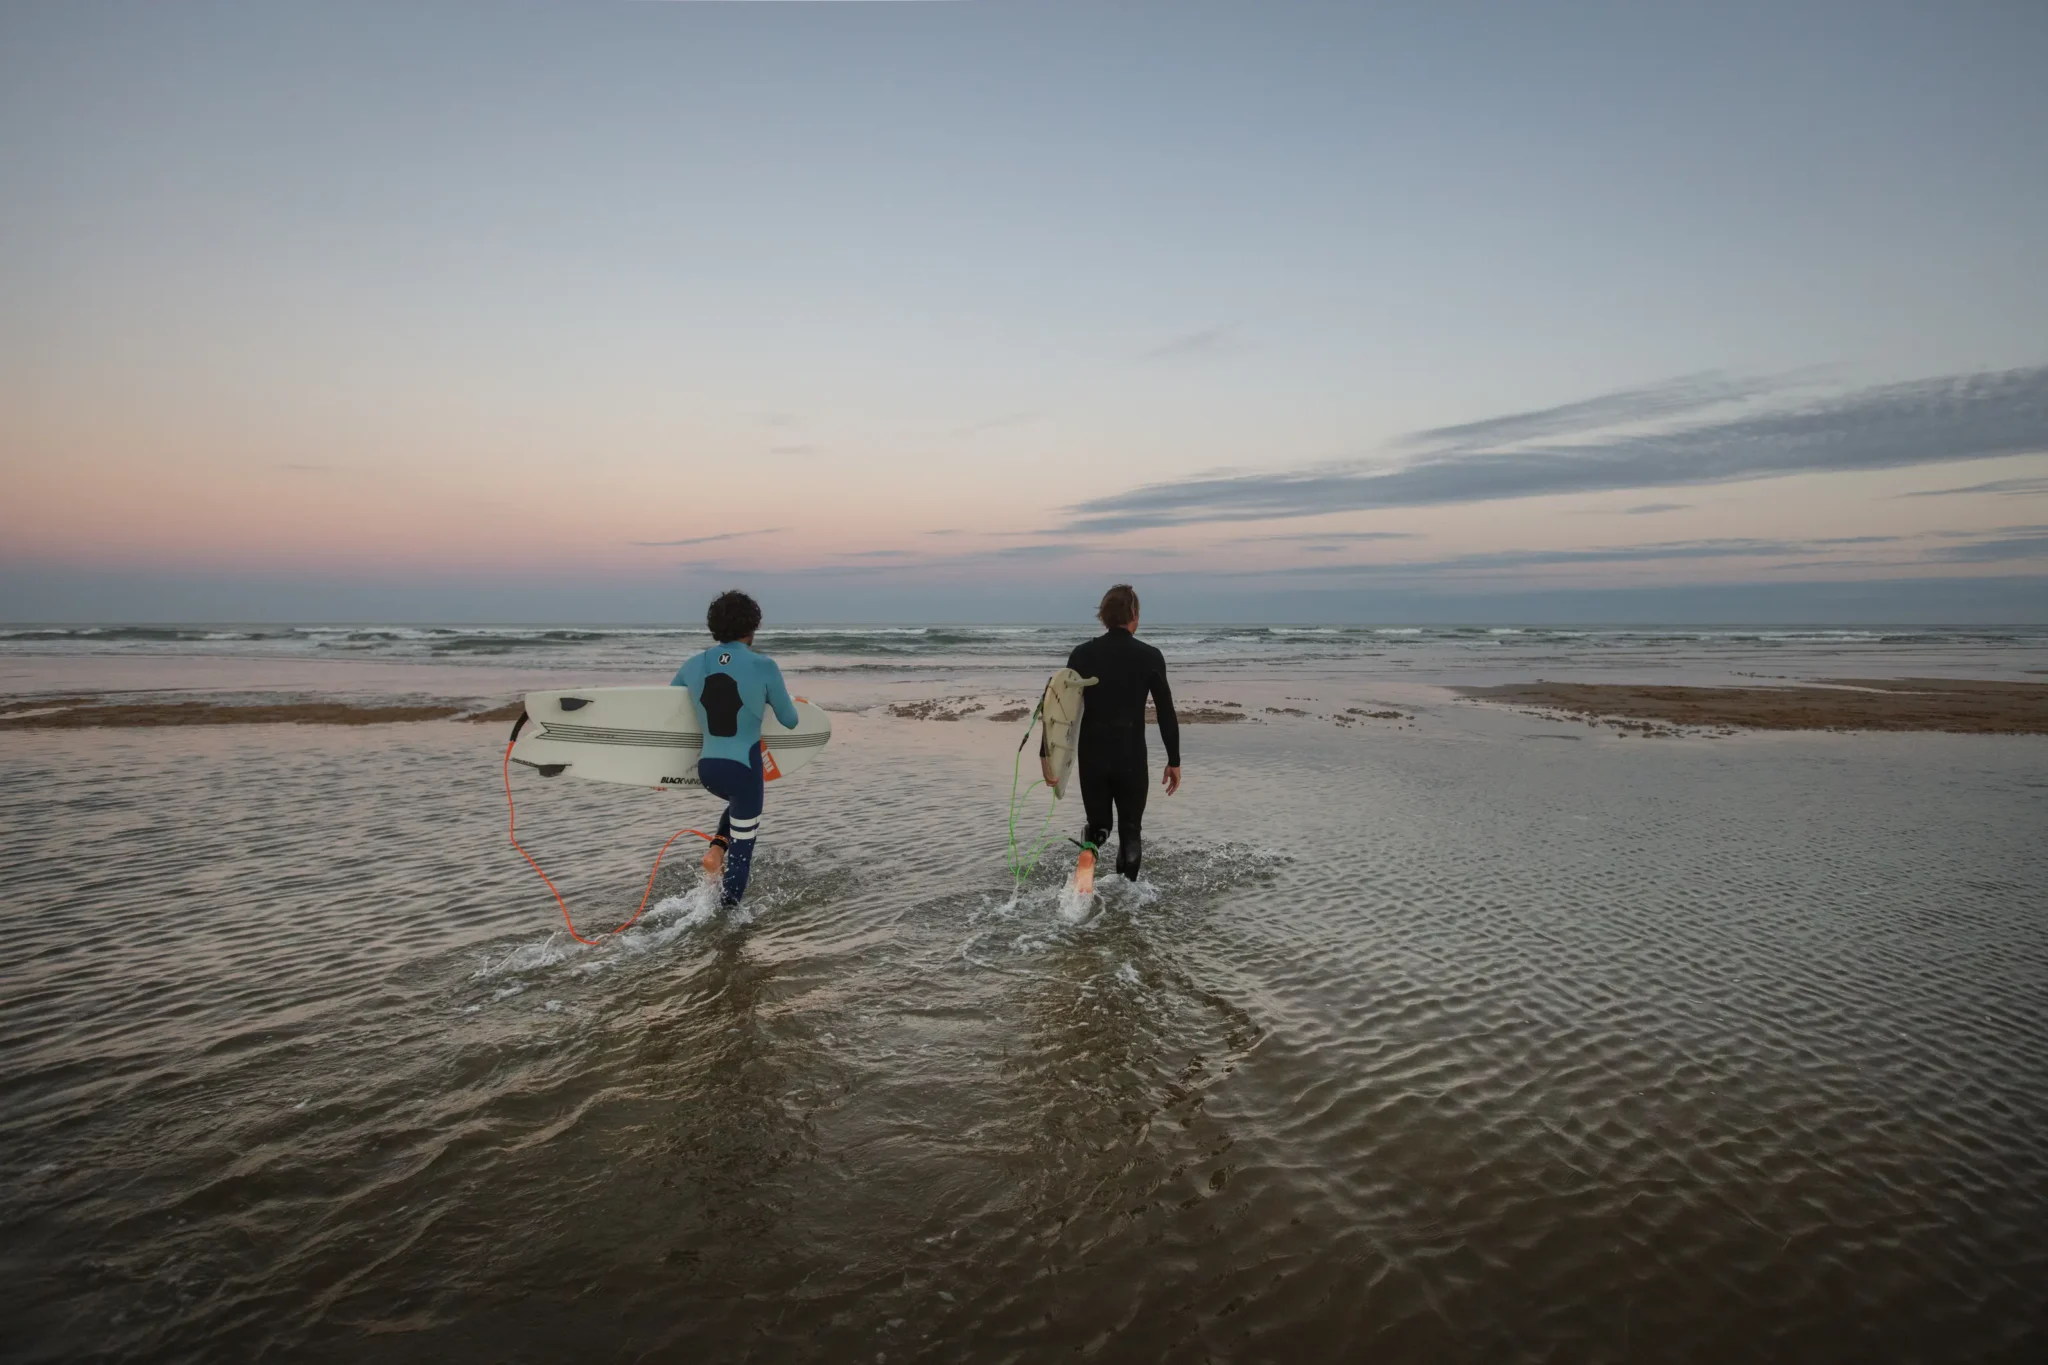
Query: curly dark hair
[732, 616]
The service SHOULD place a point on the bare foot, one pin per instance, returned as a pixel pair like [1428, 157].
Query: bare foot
[1084, 874]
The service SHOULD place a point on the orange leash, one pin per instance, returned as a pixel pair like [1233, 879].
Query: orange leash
[512, 830]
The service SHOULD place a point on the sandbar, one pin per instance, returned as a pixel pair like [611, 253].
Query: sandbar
[1198, 714]
[938, 708]
[1955, 706]
[79, 713]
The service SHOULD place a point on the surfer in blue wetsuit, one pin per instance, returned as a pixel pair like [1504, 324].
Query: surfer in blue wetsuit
[1115, 768]
[731, 688]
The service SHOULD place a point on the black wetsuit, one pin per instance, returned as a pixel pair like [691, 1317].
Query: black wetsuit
[1114, 764]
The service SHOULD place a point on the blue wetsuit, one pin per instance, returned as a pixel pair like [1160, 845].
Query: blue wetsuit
[731, 688]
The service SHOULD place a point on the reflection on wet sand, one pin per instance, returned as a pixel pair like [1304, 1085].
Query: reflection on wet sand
[1107, 1155]
[730, 1086]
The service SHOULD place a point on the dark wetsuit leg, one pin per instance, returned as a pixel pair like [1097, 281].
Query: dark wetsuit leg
[741, 786]
[1131, 788]
[1115, 798]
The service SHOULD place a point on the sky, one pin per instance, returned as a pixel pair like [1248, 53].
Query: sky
[1390, 312]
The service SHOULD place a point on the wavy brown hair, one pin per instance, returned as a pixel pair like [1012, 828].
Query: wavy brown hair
[1119, 606]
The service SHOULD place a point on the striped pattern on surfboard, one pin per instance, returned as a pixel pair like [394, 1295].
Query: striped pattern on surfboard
[646, 736]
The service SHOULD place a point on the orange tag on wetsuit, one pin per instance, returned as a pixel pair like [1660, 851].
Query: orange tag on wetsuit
[769, 772]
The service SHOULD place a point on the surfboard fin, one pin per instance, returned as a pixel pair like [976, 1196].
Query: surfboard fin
[573, 703]
[544, 769]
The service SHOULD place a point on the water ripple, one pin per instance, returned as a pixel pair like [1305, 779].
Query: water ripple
[1425, 1045]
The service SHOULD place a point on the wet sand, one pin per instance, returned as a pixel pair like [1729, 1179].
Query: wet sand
[81, 713]
[1954, 706]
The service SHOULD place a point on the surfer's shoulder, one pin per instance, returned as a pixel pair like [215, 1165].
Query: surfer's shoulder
[707, 660]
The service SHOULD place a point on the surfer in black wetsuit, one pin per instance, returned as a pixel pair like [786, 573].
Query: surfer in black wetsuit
[1115, 768]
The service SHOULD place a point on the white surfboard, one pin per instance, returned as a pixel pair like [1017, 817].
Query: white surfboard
[646, 736]
[1061, 709]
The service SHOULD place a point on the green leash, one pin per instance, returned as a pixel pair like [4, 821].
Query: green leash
[1023, 863]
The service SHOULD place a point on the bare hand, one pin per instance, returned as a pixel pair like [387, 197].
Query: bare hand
[1170, 779]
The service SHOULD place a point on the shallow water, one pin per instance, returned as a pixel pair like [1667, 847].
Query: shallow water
[1466, 1037]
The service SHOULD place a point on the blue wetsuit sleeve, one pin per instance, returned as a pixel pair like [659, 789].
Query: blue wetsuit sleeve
[778, 695]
